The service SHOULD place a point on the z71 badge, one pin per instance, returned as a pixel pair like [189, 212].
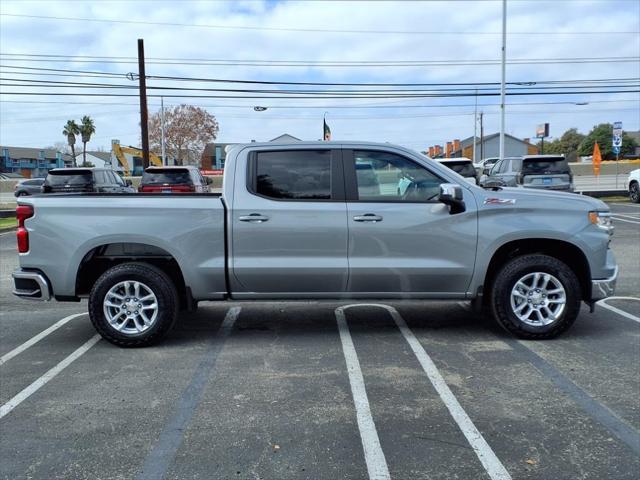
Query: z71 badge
[499, 201]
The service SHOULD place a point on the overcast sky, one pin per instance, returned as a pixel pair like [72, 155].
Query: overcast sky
[297, 31]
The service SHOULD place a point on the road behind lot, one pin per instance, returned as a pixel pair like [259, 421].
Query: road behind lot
[294, 390]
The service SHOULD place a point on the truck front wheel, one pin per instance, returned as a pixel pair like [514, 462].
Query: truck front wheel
[535, 297]
[133, 305]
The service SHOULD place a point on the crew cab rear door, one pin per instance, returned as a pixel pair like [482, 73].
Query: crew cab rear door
[402, 241]
[288, 224]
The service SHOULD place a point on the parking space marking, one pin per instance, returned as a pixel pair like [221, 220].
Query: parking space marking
[161, 456]
[373, 454]
[483, 450]
[44, 379]
[619, 311]
[618, 427]
[33, 340]
[626, 205]
[618, 219]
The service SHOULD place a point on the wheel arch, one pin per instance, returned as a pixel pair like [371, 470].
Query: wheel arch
[564, 251]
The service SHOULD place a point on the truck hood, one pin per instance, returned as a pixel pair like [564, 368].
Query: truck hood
[543, 199]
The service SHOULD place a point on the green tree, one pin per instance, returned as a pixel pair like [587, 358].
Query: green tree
[70, 131]
[87, 128]
[603, 134]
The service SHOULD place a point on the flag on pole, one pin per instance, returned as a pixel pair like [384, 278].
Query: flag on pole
[597, 159]
[326, 131]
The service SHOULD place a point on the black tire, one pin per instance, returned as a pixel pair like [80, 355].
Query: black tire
[517, 268]
[152, 277]
[634, 192]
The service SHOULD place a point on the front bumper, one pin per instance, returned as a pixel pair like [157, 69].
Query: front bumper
[604, 288]
[31, 285]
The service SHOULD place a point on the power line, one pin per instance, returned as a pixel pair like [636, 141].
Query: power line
[312, 30]
[336, 64]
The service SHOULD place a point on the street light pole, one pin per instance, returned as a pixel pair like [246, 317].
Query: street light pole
[502, 85]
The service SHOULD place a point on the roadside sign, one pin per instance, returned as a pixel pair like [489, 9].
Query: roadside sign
[617, 141]
[617, 134]
[616, 149]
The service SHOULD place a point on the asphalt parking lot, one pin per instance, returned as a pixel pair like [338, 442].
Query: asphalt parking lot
[315, 390]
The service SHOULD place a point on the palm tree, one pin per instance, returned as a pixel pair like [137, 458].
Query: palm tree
[87, 128]
[70, 131]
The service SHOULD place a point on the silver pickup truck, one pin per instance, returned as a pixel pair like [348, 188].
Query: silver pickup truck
[318, 220]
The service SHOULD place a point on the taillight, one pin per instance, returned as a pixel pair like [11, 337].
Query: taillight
[22, 213]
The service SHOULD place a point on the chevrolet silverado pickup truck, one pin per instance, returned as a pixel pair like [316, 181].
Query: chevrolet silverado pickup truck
[318, 220]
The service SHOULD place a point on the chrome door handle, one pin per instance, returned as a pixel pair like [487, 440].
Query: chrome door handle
[254, 218]
[368, 217]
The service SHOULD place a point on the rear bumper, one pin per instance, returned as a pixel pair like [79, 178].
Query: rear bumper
[31, 285]
[604, 288]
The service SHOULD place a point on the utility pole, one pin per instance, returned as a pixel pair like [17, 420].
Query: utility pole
[164, 158]
[502, 85]
[481, 138]
[144, 114]
[475, 126]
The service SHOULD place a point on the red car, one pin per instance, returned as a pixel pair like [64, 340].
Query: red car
[174, 180]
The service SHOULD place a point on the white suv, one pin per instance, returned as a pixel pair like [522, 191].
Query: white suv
[633, 184]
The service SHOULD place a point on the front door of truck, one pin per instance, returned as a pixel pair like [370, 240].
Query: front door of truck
[289, 224]
[402, 241]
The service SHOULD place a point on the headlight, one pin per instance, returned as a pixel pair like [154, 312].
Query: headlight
[602, 220]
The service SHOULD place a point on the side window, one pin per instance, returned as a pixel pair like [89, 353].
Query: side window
[293, 175]
[504, 166]
[516, 165]
[100, 177]
[496, 167]
[387, 177]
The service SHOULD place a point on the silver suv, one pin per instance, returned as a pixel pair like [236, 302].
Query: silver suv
[532, 171]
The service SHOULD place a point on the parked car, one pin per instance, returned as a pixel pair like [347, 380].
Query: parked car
[484, 166]
[187, 179]
[463, 167]
[294, 222]
[532, 171]
[633, 184]
[31, 186]
[85, 180]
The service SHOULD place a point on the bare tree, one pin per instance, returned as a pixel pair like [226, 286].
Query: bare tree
[187, 130]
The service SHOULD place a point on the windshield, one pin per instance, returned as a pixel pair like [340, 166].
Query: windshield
[465, 169]
[172, 177]
[71, 177]
[533, 166]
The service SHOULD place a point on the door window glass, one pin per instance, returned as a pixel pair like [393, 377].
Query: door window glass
[387, 177]
[294, 175]
[496, 167]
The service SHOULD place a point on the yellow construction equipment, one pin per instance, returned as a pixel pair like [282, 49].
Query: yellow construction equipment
[134, 163]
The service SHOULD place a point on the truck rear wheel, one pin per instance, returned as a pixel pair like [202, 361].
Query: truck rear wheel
[535, 297]
[133, 305]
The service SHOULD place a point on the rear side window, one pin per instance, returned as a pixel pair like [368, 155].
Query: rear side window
[294, 175]
[465, 169]
[174, 176]
[69, 177]
[534, 166]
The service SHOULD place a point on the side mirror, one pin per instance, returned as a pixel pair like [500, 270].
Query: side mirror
[483, 178]
[451, 194]
[209, 180]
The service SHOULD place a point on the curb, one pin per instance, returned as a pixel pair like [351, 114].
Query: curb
[7, 229]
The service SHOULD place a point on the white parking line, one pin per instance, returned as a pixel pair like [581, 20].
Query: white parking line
[486, 455]
[373, 455]
[33, 340]
[603, 303]
[630, 216]
[35, 386]
[618, 219]
[626, 205]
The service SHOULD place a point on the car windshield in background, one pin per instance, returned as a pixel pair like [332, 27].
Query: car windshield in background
[465, 169]
[533, 166]
[69, 177]
[166, 177]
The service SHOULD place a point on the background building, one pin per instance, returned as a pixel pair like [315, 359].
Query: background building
[490, 147]
[215, 154]
[32, 162]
